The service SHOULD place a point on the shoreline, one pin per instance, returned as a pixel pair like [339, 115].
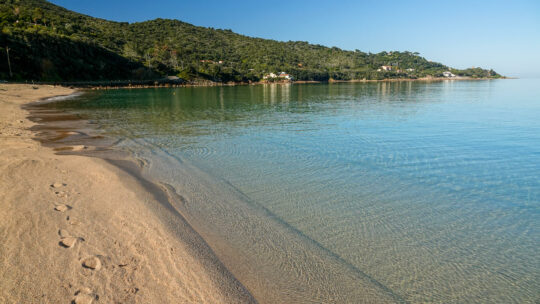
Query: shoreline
[125, 245]
[194, 196]
[112, 85]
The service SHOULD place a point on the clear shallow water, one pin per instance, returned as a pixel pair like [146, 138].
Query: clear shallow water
[400, 192]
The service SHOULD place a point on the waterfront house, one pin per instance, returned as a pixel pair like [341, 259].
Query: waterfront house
[270, 76]
[386, 68]
[281, 75]
[285, 75]
[448, 74]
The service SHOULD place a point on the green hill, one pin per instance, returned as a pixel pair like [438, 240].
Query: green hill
[49, 43]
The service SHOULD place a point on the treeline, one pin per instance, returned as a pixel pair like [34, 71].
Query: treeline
[50, 43]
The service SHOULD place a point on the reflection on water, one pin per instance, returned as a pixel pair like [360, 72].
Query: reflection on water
[397, 191]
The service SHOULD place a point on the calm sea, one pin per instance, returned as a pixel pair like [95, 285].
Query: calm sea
[347, 193]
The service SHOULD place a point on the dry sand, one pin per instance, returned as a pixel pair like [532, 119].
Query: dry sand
[78, 229]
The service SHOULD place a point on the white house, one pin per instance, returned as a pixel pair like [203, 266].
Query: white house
[448, 74]
[269, 76]
[281, 75]
[386, 68]
[285, 75]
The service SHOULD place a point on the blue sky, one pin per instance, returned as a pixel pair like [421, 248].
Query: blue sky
[503, 35]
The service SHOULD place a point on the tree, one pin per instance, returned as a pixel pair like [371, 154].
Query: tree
[37, 15]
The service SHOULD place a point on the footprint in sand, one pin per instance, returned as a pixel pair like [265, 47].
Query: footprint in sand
[64, 233]
[62, 207]
[84, 296]
[69, 241]
[61, 194]
[92, 263]
[72, 221]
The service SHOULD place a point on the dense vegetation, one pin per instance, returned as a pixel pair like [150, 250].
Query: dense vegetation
[49, 43]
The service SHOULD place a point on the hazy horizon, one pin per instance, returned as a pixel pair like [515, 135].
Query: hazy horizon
[493, 35]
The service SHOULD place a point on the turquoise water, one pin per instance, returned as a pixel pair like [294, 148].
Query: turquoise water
[352, 192]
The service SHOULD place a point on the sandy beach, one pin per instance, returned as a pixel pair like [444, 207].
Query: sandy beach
[78, 229]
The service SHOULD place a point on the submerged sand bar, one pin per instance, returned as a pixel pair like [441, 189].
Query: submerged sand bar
[75, 228]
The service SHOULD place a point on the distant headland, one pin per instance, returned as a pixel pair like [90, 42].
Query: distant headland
[43, 42]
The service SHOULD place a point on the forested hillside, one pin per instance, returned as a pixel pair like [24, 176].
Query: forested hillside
[46, 42]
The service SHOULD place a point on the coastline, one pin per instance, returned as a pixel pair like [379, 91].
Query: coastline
[221, 84]
[84, 228]
[197, 196]
[191, 194]
[112, 85]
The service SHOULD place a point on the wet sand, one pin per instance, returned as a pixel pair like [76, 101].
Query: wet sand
[75, 228]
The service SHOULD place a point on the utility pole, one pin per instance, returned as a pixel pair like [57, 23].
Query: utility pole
[9, 63]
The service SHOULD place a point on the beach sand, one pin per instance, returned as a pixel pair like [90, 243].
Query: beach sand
[78, 229]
